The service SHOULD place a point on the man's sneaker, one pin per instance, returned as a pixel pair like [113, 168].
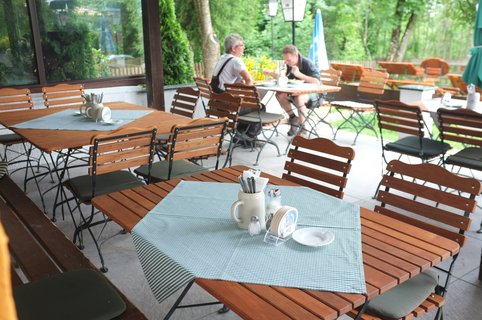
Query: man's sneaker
[294, 126]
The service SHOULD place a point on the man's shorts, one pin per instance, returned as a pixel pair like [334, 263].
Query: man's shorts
[314, 100]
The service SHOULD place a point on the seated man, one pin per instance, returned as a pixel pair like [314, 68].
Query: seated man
[231, 69]
[299, 68]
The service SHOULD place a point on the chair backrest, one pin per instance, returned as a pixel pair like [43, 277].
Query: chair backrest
[423, 195]
[224, 105]
[460, 125]
[330, 77]
[204, 88]
[319, 164]
[435, 66]
[185, 101]
[122, 149]
[350, 72]
[15, 99]
[373, 82]
[63, 95]
[457, 82]
[199, 138]
[249, 95]
[399, 117]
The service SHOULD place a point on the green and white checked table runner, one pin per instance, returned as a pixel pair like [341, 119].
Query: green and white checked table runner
[70, 120]
[190, 234]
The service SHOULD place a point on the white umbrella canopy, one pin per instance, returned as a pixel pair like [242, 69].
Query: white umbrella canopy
[317, 52]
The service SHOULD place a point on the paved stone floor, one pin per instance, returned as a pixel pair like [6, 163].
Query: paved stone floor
[464, 300]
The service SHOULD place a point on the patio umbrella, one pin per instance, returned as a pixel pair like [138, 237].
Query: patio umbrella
[473, 71]
[318, 49]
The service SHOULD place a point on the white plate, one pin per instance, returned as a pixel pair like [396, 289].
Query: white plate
[313, 237]
[268, 84]
[296, 81]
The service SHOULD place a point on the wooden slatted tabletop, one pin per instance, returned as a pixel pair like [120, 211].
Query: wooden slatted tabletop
[393, 252]
[52, 140]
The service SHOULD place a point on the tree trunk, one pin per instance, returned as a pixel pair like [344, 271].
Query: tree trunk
[365, 33]
[210, 41]
[406, 36]
[394, 42]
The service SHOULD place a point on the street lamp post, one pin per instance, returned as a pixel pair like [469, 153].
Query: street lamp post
[272, 11]
[293, 10]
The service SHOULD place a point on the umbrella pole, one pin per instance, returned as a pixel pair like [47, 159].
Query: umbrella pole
[272, 39]
[293, 23]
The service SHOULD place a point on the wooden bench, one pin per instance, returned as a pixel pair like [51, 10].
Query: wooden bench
[39, 249]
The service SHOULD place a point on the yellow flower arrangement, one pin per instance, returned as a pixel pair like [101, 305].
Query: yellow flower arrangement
[256, 65]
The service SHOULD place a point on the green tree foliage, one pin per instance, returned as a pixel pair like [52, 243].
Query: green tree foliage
[355, 30]
[177, 59]
[67, 45]
[131, 25]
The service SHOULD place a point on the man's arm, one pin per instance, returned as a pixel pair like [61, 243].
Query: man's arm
[247, 77]
[297, 73]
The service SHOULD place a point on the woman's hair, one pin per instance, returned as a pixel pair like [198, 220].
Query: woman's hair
[232, 41]
[291, 49]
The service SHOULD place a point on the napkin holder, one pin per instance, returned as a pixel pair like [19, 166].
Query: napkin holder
[282, 226]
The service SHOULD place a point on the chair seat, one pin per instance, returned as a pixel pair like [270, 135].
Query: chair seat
[468, 158]
[266, 117]
[162, 137]
[160, 170]
[76, 295]
[110, 182]
[404, 298]
[10, 138]
[411, 146]
[358, 106]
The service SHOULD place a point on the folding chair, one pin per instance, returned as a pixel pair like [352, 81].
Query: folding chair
[200, 138]
[63, 95]
[371, 86]
[253, 113]
[184, 104]
[13, 100]
[185, 101]
[462, 126]
[330, 77]
[205, 90]
[423, 195]
[319, 164]
[109, 156]
[18, 100]
[224, 105]
[407, 119]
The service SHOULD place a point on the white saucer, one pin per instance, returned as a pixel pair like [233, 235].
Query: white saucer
[110, 122]
[77, 113]
[313, 237]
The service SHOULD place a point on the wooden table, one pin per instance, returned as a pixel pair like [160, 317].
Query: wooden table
[396, 83]
[349, 72]
[402, 68]
[54, 140]
[393, 252]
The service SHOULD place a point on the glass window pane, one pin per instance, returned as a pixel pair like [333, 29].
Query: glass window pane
[91, 39]
[17, 59]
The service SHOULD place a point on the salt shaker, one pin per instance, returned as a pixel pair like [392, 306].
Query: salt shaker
[254, 227]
